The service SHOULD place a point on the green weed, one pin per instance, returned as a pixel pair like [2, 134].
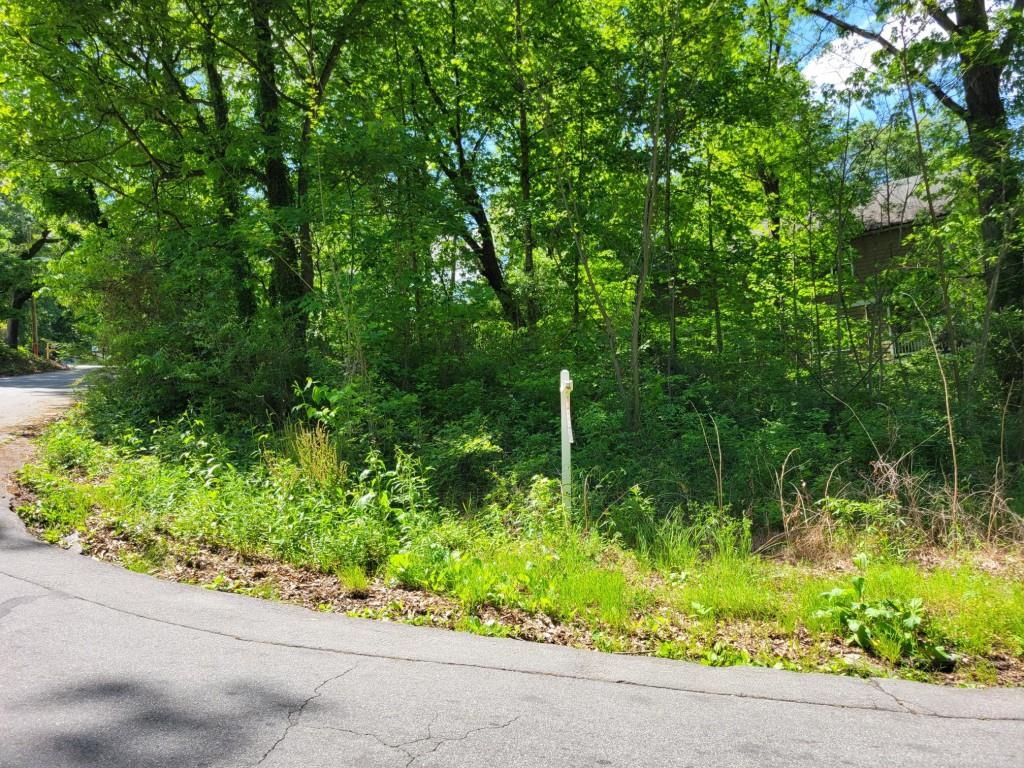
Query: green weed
[354, 579]
[896, 630]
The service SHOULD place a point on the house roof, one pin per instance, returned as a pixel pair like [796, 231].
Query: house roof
[900, 201]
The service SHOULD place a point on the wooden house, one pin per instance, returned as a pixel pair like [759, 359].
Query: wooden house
[896, 207]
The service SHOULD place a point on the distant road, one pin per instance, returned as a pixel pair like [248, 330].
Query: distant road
[104, 668]
[30, 398]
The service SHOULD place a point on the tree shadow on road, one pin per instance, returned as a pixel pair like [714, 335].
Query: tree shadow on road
[120, 722]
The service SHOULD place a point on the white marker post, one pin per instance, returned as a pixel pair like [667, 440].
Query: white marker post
[564, 388]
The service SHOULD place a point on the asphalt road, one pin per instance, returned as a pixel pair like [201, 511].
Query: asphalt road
[28, 399]
[105, 668]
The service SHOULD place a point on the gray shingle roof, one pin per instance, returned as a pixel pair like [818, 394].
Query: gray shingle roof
[900, 201]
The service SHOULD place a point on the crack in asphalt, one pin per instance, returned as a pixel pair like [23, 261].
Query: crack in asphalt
[401, 746]
[877, 685]
[295, 715]
[912, 709]
[431, 736]
[899, 709]
[441, 741]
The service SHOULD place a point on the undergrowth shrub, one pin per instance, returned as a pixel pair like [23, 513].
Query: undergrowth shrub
[879, 523]
[528, 509]
[60, 507]
[315, 452]
[556, 576]
[464, 456]
[678, 541]
[893, 629]
[68, 445]
[301, 505]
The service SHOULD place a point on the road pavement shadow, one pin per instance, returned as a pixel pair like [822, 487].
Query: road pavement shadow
[125, 722]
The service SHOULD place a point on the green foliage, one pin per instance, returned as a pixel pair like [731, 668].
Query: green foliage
[676, 542]
[895, 630]
[353, 578]
[334, 274]
[181, 482]
[411, 269]
[69, 446]
[316, 455]
[464, 458]
[16, 362]
[62, 507]
[880, 522]
[555, 576]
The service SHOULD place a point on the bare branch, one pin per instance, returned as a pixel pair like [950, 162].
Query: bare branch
[936, 90]
[941, 17]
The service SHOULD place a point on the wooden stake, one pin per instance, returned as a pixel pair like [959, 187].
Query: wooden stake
[35, 328]
[564, 388]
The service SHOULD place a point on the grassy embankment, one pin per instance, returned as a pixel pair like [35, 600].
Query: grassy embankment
[293, 522]
[15, 362]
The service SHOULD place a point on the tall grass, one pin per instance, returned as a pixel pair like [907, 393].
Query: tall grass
[315, 452]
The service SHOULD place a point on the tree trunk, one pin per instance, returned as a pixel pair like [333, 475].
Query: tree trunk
[673, 331]
[226, 186]
[460, 174]
[532, 310]
[609, 326]
[286, 286]
[13, 331]
[716, 307]
[285, 279]
[22, 295]
[997, 181]
[490, 266]
[650, 200]
[305, 229]
[950, 330]
[483, 245]
[14, 318]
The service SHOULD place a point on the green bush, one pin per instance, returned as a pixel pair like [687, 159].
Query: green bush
[464, 457]
[68, 445]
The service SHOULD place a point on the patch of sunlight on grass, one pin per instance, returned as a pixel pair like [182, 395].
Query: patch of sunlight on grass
[732, 588]
[973, 609]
